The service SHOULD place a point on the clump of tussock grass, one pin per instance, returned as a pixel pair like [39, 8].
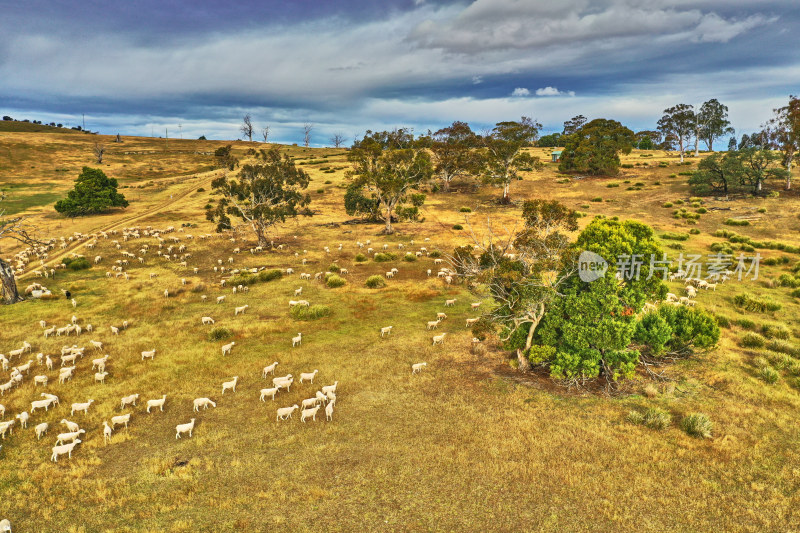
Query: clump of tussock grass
[76, 263]
[220, 334]
[697, 425]
[360, 258]
[383, 257]
[409, 257]
[653, 418]
[333, 267]
[375, 282]
[313, 312]
[752, 340]
[333, 281]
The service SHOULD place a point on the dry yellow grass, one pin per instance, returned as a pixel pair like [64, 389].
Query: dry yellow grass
[464, 446]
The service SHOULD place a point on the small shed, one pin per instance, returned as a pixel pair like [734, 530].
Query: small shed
[556, 155]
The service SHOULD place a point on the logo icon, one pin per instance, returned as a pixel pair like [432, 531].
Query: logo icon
[591, 266]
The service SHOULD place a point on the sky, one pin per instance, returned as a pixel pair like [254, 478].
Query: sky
[195, 68]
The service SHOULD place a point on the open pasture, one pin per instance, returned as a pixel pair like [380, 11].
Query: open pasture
[465, 444]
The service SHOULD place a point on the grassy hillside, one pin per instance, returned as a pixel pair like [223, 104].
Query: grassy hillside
[467, 445]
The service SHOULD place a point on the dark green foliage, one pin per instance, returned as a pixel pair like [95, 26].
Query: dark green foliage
[769, 374]
[375, 282]
[219, 334]
[246, 278]
[753, 304]
[333, 281]
[674, 236]
[549, 141]
[465, 210]
[752, 340]
[594, 148]
[360, 258]
[435, 254]
[409, 257]
[77, 263]
[94, 193]
[383, 257]
[458, 227]
[333, 267]
[736, 222]
[313, 312]
[678, 330]
[224, 158]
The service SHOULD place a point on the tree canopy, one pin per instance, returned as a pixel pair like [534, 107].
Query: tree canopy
[678, 123]
[712, 121]
[594, 148]
[453, 152]
[503, 157]
[93, 193]
[263, 194]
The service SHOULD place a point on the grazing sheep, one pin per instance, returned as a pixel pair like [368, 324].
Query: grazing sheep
[96, 344]
[226, 350]
[321, 398]
[2, 410]
[157, 403]
[711, 286]
[220, 299]
[74, 303]
[329, 412]
[309, 402]
[471, 321]
[100, 377]
[297, 340]
[386, 331]
[40, 430]
[278, 379]
[52, 397]
[64, 438]
[230, 384]
[691, 292]
[204, 403]
[475, 305]
[269, 393]
[65, 374]
[298, 292]
[128, 400]
[40, 380]
[330, 388]
[115, 330]
[6, 426]
[166, 293]
[308, 376]
[417, 367]
[61, 450]
[309, 413]
[672, 297]
[48, 362]
[100, 363]
[240, 310]
[149, 355]
[23, 419]
[207, 321]
[106, 431]
[184, 428]
[441, 316]
[269, 369]
[38, 404]
[285, 384]
[286, 412]
[450, 303]
[389, 275]
[121, 419]
[439, 339]
[331, 397]
[433, 324]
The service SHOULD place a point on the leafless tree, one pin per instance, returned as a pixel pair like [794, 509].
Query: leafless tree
[307, 127]
[99, 150]
[265, 133]
[337, 140]
[18, 229]
[247, 127]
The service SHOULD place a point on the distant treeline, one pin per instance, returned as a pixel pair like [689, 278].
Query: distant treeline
[51, 124]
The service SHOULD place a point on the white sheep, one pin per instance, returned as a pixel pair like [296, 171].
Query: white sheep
[441, 316]
[309, 376]
[166, 293]
[157, 403]
[286, 412]
[386, 330]
[2, 410]
[100, 363]
[330, 388]
[269, 369]
[433, 324]
[309, 402]
[148, 355]
[269, 393]
[330, 396]
[226, 350]
[96, 344]
[128, 400]
[106, 431]
[471, 321]
[329, 412]
[65, 374]
[207, 321]
[121, 419]
[439, 339]
[48, 362]
[416, 368]
[297, 340]
[309, 413]
[40, 380]
[298, 292]
[230, 384]
[204, 403]
[285, 384]
[40, 430]
[100, 377]
[220, 299]
[475, 305]
[184, 428]
[23, 419]
[115, 330]
[65, 449]
[240, 310]
[52, 397]
[39, 404]
[450, 303]
[64, 438]
[6, 426]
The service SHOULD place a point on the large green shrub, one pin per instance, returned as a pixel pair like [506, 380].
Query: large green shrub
[94, 193]
[76, 263]
[375, 282]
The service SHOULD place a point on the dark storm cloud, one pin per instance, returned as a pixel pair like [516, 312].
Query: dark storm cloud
[348, 66]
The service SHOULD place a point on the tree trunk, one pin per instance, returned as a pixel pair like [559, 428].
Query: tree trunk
[10, 293]
[789, 177]
[524, 364]
[680, 145]
[506, 195]
[260, 234]
[389, 229]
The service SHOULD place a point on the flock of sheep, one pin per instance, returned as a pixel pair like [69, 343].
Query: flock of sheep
[170, 248]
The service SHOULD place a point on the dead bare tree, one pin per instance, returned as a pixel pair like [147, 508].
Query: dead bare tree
[99, 150]
[307, 127]
[247, 127]
[337, 140]
[18, 229]
[265, 132]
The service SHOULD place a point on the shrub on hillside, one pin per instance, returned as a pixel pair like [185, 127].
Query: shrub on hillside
[736, 222]
[76, 263]
[333, 267]
[333, 281]
[752, 340]
[409, 257]
[769, 374]
[360, 258]
[382, 257]
[220, 334]
[375, 282]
